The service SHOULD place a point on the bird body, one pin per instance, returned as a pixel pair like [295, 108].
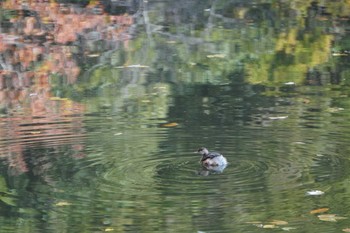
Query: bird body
[211, 159]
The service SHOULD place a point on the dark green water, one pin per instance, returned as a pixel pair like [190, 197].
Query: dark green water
[97, 133]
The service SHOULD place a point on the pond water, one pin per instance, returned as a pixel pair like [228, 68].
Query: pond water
[102, 105]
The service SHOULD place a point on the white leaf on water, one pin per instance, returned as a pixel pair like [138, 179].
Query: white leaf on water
[278, 117]
[289, 83]
[314, 193]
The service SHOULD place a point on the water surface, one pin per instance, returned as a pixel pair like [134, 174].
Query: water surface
[101, 109]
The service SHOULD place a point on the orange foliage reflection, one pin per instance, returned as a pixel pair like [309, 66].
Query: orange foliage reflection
[37, 45]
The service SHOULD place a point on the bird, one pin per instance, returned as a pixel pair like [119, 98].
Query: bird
[211, 159]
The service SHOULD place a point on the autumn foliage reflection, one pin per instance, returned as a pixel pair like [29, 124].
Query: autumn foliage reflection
[42, 39]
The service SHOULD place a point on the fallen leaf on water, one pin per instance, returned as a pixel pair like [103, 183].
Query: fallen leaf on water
[58, 98]
[314, 193]
[278, 117]
[319, 211]
[109, 229]
[278, 222]
[288, 228]
[269, 226]
[299, 143]
[329, 217]
[346, 230]
[339, 54]
[93, 55]
[289, 83]
[306, 101]
[35, 132]
[335, 109]
[63, 203]
[172, 124]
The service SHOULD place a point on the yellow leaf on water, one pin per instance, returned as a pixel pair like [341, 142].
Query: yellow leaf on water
[35, 132]
[278, 222]
[109, 229]
[269, 226]
[319, 211]
[172, 124]
[63, 203]
[329, 217]
[58, 98]
[335, 109]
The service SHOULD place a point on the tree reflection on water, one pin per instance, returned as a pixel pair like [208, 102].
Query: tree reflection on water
[99, 109]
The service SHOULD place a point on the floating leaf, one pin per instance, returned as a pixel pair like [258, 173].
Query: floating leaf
[329, 217]
[299, 143]
[55, 98]
[172, 124]
[306, 101]
[319, 211]
[288, 228]
[278, 117]
[269, 226]
[93, 55]
[63, 203]
[346, 230]
[35, 132]
[278, 222]
[314, 193]
[339, 54]
[335, 109]
[109, 229]
[289, 83]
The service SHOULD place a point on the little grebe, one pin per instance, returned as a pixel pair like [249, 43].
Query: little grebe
[211, 159]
